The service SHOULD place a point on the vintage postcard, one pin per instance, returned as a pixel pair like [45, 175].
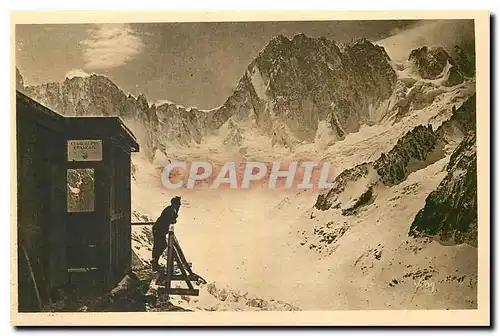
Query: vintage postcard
[250, 168]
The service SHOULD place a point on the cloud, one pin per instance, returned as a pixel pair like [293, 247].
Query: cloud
[445, 33]
[110, 46]
[76, 73]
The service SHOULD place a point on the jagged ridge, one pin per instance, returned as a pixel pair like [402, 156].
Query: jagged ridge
[408, 155]
[415, 150]
[431, 62]
[450, 211]
[292, 83]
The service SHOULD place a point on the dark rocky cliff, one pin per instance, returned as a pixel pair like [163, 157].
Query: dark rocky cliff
[450, 211]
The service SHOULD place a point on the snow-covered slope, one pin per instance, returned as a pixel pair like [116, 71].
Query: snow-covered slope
[275, 245]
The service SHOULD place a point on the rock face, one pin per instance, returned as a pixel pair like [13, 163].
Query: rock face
[301, 81]
[286, 91]
[97, 95]
[180, 125]
[465, 60]
[234, 136]
[411, 153]
[435, 62]
[453, 76]
[413, 96]
[415, 150]
[355, 187]
[450, 212]
[428, 74]
[93, 95]
[348, 179]
[462, 121]
[430, 61]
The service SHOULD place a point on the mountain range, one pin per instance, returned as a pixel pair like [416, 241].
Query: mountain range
[289, 88]
[296, 90]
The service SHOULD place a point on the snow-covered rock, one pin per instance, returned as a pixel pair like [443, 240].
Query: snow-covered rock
[450, 211]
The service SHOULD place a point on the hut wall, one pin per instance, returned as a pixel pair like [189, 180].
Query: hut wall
[40, 196]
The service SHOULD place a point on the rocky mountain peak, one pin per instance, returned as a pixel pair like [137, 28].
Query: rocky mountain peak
[234, 136]
[290, 87]
[450, 211]
[142, 102]
[411, 152]
[361, 42]
[279, 44]
[93, 79]
[465, 60]
[302, 39]
[299, 80]
[279, 40]
[430, 61]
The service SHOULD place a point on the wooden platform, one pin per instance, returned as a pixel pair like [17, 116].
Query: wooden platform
[178, 269]
[159, 286]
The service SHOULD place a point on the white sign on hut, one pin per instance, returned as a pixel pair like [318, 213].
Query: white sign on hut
[84, 150]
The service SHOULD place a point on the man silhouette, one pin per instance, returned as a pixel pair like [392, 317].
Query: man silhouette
[160, 229]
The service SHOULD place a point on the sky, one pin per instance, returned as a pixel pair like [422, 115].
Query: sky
[194, 64]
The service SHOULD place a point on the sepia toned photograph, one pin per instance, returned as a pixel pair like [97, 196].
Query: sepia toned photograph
[264, 165]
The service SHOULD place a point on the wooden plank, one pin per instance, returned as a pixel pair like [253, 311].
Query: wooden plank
[170, 258]
[188, 264]
[82, 269]
[142, 223]
[177, 247]
[183, 271]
